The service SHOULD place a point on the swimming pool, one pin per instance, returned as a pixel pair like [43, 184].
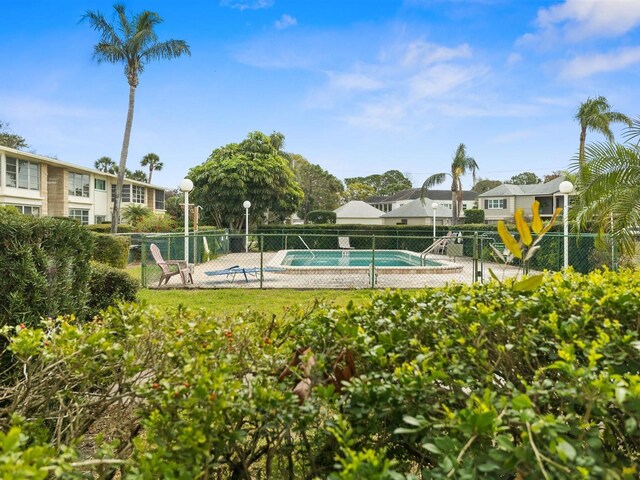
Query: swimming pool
[337, 261]
[354, 258]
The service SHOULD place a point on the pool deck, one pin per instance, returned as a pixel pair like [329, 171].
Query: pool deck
[354, 278]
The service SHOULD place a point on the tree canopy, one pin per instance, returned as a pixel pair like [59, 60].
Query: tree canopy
[484, 185]
[321, 189]
[251, 170]
[524, 178]
[152, 161]
[11, 140]
[388, 183]
[357, 191]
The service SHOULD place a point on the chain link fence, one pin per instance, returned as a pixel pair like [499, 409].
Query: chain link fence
[306, 261]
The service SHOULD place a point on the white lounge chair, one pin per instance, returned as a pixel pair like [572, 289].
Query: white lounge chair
[344, 244]
[171, 267]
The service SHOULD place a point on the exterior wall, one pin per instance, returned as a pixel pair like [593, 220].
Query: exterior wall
[492, 215]
[150, 197]
[57, 186]
[44, 189]
[524, 202]
[359, 221]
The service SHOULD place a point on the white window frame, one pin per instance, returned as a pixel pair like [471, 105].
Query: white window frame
[32, 174]
[81, 214]
[495, 204]
[79, 183]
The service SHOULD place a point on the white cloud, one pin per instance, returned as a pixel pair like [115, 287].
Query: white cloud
[354, 81]
[576, 20]
[424, 53]
[587, 65]
[285, 21]
[247, 4]
[514, 59]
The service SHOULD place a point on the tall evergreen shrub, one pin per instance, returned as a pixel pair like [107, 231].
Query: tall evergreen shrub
[44, 265]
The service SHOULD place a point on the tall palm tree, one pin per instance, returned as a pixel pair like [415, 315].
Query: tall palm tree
[153, 162]
[105, 164]
[460, 165]
[609, 189]
[595, 115]
[132, 42]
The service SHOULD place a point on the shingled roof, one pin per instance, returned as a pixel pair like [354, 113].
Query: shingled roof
[414, 193]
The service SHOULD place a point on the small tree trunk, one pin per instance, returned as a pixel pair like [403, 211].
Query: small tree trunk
[123, 161]
[454, 206]
[581, 159]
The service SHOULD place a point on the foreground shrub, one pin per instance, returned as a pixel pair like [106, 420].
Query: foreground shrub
[106, 228]
[462, 382]
[45, 268]
[109, 286]
[156, 224]
[112, 250]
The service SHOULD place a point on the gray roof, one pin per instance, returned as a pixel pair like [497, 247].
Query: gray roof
[507, 189]
[357, 209]
[414, 193]
[417, 208]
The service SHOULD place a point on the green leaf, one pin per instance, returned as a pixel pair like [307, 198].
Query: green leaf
[431, 448]
[522, 401]
[631, 425]
[565, 450]
[411, 420]
[528, 284]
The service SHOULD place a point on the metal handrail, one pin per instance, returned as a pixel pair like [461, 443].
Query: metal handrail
[305, 244]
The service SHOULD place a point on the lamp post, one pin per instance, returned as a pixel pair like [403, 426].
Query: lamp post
[434, 205]
[246, 205]
[566, 188]
[186, 186]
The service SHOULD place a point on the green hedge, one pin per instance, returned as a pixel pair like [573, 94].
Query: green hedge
[45, 268]
[108, 286]
[467, 381]
[474, 216]
[106, 228]
[321, 217]
[112, 250]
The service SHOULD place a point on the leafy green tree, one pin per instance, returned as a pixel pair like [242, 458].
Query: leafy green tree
[133, 42]
[321, 189]
[595, 115]
[609, 189]
[134, 214]
[138, 175]
[388, 183]
[524, 178]
[153, 162]
[357, 191]
[11, 140]
[460, 165]
[484, 185]
[106, 165]
[251, 170]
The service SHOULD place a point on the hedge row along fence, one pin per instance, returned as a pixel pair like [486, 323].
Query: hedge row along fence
[473, 381]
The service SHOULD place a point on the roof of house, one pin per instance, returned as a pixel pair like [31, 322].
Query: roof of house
[507, 189]
[420, 209]
[357, 209]
[414, 193]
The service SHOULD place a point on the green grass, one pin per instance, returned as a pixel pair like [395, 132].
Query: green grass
[231, 301]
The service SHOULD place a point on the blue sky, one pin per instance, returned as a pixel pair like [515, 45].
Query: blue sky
[356, 86]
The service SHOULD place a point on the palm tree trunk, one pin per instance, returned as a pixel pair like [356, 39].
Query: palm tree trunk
[150, 173]
[583, 138]
[454, 203]
[123, 161]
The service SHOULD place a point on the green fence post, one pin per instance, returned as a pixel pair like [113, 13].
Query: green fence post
[372, 269]
[476, 273]
[143, 261]
[261, 260]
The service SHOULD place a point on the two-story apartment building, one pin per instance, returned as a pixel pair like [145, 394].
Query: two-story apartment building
[404, 197]
[501, 202]
[43, 186]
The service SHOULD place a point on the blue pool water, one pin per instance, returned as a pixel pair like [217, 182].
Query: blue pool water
[354, 258]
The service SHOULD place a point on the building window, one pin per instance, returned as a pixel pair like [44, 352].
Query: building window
[126, 193]
[78, 184]
[100, 219]
[403, 221]
[495, 204]
[137, 194]
[79, 214]
[22, 174]
[159, 199]
[32, 210]
[100, 184]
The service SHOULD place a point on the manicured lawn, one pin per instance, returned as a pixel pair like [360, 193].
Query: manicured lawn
[226, 302]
